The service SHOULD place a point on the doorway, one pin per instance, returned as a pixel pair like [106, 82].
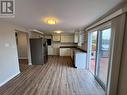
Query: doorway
[22, 49]
[99, 54]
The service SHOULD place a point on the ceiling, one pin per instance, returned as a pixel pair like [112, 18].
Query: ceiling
[72, 14]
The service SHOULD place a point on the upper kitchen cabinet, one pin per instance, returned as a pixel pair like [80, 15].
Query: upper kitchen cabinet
[81, 38]
[67, 38]
[56, 37]
[76, 37]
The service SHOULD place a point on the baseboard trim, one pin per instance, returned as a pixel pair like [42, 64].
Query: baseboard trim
[29, 63]
[1, 84]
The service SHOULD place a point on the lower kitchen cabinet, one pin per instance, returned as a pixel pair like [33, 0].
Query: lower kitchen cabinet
[80, 59]
[65, 52]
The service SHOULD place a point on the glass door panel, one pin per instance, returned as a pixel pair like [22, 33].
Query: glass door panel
[103, 55]
[92, 51]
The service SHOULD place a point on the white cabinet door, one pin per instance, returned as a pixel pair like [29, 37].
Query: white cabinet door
[56, 51]
[53, 51]
[67, 38]
[50, 50]
[81, 38]
[56, 37]
[65, 52]
[80, 60]
[76, 37]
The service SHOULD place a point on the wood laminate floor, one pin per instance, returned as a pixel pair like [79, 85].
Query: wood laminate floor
[57, 77]
[23, 64]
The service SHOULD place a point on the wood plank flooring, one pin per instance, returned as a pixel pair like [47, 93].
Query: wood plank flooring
[23, 64]
[57, 77]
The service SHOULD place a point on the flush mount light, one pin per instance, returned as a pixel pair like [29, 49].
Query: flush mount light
[51, 20]
[58, 31]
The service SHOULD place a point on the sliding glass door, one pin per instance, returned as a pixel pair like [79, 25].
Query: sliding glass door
[99, 54]
[92, 51]
[103, 55]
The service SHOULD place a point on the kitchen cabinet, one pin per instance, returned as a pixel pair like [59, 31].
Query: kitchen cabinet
[56, 37]
[56, 51]
[67, 38]
[81, 38]
[53, 50]
[76, 37]
[72, 53]
[80, 59]
[65, 52]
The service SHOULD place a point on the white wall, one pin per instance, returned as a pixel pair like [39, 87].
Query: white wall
[118, 25]
[9, 66]
[35, 35]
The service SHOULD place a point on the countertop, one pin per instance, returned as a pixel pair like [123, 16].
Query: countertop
[74, 47]
[68, 46]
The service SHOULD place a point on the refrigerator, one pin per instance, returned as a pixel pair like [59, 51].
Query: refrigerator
[38, 47]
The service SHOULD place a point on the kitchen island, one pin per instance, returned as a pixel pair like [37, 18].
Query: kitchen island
[78, 56]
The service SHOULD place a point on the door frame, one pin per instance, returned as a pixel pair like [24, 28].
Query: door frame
[100, 29]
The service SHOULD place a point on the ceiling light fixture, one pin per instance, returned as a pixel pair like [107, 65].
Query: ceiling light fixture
[51, 20]
[58, 31]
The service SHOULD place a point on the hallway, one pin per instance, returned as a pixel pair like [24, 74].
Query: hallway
[57, 77]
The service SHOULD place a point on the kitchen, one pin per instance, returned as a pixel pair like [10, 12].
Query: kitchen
[69, 44]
